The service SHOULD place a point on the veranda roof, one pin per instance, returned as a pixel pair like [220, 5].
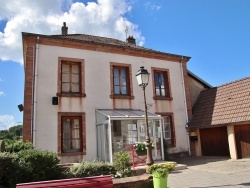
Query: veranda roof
[127, 114]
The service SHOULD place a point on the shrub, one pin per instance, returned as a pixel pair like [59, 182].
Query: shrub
[40, 165]
[16, 146]
[10, 170]
[122, 163]
[28, 166]
[94, 168]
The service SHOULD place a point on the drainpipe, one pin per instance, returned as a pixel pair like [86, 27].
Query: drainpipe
[35, 93]
[32, 96]
[185, 104]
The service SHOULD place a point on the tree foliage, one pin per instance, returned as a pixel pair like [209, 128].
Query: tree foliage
[14, 133]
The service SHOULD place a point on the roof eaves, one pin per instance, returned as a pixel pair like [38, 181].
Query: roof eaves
[136, 48]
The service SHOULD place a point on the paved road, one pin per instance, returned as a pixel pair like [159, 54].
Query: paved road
[214, 172]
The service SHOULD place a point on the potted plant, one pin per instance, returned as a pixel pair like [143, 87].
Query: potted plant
[140, 148]
[160, 173]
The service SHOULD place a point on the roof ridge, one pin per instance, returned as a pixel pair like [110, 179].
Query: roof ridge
[232, 82]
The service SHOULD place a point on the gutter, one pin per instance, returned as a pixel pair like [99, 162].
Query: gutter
[35, 93]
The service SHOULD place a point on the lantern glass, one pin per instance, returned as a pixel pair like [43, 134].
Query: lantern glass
[142, 77]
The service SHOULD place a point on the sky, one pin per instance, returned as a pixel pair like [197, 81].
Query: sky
[215, 34]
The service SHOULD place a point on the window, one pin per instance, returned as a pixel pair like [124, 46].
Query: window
[121, 81]
[168, 130]
[71, 133]
[161, 84]
[167, 127]
[71, 137]
[70, 77]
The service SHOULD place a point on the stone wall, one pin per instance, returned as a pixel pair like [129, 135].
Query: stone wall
[143, 181]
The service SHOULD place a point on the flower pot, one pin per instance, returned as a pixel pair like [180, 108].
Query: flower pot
[141, 153]
[160, 182]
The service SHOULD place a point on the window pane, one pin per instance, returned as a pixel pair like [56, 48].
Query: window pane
[75, 87]
[75, 69]
[156, 80]
[162, 79]
[76, 144]
[76, 134]
[163, 92]
[117, 90]
[66, 134]
[116, 73]
[157, 92]
[65, 87]
[123, 73]
[124, 90]
[75, 78]
[65, 68]
[65, 77]
[167, 135]
[167, 127]
[123, 81]
[116, 81]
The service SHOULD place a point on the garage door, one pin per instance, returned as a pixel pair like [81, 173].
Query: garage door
[242, 137]
[214, 142]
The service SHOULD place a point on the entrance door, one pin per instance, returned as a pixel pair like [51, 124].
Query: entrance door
[103, 142]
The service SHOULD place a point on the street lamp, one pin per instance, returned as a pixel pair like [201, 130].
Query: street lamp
[142, 79]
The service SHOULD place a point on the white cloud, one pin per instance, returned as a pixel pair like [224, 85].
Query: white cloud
[6, 121]
[152, 6]
[103, 18]
[1, 93]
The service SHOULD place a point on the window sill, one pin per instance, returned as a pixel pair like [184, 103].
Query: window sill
[163, 98]
[121, 97]
[71, 153]
[71, 94]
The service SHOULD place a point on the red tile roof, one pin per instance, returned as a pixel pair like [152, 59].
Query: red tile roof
[228, 103]
[104, 41]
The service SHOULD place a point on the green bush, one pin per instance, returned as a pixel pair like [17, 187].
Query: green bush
[16, 146]
[94, 168]
[29, 166]
[122, 163]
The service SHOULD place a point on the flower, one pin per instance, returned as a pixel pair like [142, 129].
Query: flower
[141, 146]
[161, 169]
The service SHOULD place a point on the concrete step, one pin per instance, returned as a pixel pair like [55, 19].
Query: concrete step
[180, 167]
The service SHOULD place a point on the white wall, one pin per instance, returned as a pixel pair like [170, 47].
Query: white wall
[97, 89]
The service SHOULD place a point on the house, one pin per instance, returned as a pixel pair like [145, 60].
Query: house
[82, 100]
[220, 125]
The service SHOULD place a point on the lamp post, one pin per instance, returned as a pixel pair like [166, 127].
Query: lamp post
[142, 79]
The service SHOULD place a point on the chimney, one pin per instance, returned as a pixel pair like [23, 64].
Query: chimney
[64, 29]
[131, 40]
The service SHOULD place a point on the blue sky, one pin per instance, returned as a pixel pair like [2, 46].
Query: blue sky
[215, 34]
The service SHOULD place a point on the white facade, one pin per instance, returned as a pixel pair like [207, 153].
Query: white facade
[97, 89]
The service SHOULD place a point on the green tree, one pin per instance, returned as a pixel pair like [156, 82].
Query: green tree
[14, 133]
